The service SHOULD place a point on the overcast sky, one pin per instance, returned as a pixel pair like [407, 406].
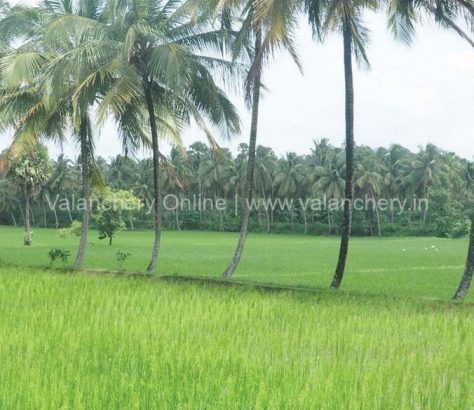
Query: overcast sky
[411, 95]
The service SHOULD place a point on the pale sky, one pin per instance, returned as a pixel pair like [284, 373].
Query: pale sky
[411, 96]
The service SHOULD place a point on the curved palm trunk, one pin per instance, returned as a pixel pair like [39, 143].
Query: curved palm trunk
[248, 189]
[156, 175]
[86, 190]
[27, 239]
[349, 184]
[467, 276]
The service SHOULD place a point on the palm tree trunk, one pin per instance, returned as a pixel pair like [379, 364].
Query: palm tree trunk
[467, 276]
[349, 183]
[248, 188]
[305, 221]
[377, 216]
[267, 213]
[176, 215]
[56, 222]
[44, 215]
[68, 209]
[86, 189]
[156, 174]
[22, 212]
[32, 216]
[27, 239]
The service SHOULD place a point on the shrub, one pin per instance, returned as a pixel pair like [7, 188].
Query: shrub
[122, 257]
[74, 230]
[56, 254]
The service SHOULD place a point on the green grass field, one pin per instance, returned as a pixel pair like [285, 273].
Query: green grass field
[388, 340]
[402, 267]
[104, 342]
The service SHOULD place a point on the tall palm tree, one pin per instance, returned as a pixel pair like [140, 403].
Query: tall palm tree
[139, 59]
[268, 24]
[158, 63]
[41, 62]
[466, 278]
[345, 16]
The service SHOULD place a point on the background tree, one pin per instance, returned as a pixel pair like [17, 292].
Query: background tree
[111, 205]
[30, 172]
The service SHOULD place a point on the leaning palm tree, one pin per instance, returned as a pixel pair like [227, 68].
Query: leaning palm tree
[344, 16]
[466, 279]
[267, 25]
[135, 60]
[403, 15]
[157, 60]
[35, 69]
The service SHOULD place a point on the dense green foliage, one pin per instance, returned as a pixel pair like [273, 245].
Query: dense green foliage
[394, 173]
[78, 341]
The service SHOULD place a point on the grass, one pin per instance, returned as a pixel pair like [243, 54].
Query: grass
[403, 267]
[104, 342]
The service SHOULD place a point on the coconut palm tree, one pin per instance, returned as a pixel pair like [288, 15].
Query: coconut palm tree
[268, 25]
[135, 58]
[403, 15]
[344, 16]
[370, 182]
[328, 182]
[64, 180]
[41, 62]
[466, 278]
[156, 61]
[265, 167]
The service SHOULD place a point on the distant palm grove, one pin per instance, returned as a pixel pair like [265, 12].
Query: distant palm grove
[154, 68]
[284, 188]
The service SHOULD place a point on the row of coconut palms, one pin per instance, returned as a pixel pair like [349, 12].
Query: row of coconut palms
[154, 66]
[196, 173]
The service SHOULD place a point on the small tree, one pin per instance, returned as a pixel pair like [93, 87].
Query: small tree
[109, 206]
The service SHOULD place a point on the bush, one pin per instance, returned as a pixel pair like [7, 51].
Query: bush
[56, 254]
[74, 230]
[122, 257]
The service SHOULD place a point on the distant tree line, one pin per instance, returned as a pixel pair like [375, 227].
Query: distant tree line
[35, 190]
